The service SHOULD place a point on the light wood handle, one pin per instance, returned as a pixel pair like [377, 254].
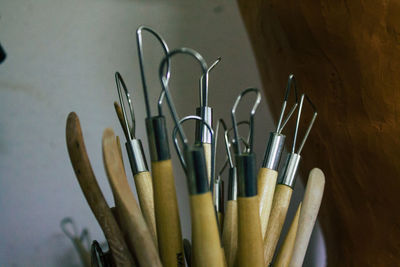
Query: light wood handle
[167, 214]
[266, 181]
[207, 156]
[250, 244]
[137, 232]
[280, 204]
[205, 236]
[87, 181]
[286, 250]
[144, 189]
[230, 232]
[308, 215]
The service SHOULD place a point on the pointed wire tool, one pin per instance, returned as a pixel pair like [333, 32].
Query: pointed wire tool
[203, 136]
[249, 229]
[206, 248]
[137, 160]
[268, 173]
[166, 210]
[284, 188]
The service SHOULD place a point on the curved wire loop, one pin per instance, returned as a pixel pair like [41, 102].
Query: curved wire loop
[129, 130]
[139, 42]
[303, 96]
[179, 151]
[204, 84]
[165, 86]
[291, 81]
[70, 233]
[251, 120]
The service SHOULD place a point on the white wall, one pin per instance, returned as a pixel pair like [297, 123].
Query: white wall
[62, 56]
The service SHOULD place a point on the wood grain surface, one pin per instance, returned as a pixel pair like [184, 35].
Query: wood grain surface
[137, 232]
[346, 57]
[230, 232]
[90, 188]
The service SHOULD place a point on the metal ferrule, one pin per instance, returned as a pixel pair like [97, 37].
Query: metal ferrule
[218, 196]
[288, 175]
[202, 134]
[274, 151]
[246, 173]
[232, 186]
[136, 156]
[196, 170]
[157, 138]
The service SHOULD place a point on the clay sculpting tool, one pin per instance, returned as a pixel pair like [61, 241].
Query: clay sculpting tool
[250, 245]
[134, 148]
[268, 172]
[308, 215]
[165, 201]
[284, 189]
[84, 173]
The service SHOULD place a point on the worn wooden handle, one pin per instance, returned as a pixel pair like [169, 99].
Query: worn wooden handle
[250, 244]
[94, 197]
[308, 215]
[137, 231]
[144, 188]
[286, 250]
[205, 236]
[167, 214]
[266, 180]
[207, 156]
[280, 204]
[230, 232]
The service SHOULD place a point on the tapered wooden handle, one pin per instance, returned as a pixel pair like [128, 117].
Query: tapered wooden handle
[144, 188]
[280, 205]
[94, 197]
[167, 214]
[308, 215]
[137, 232]
[207, 156]
[205, 236]
[230, 232]
[250, 244]
[286, 250]
[266, 181]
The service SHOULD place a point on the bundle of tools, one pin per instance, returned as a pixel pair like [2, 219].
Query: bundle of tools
[242, 231]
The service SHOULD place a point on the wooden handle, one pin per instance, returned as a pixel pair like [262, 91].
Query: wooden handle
[144, 188]
[280, 204]
[138, 234]
[286, 251]
[207, 156]
[220, 216]
[308, 215]
[266, 180]
[167, 214]
[87, 181]
[205, 236]
[250, 244]
[230, 232]
[84, 254]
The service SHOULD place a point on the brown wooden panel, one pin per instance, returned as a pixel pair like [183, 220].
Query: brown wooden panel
[346, 56]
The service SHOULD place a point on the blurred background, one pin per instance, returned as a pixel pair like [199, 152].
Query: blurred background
[61, 57]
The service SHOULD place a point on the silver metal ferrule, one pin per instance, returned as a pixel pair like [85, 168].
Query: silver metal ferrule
[246, 174]
[288, 175]
[274, 151]
[218, 196]
[136, 156]
[157, 138]
[203, 135]
[196, 170]
[232, 186]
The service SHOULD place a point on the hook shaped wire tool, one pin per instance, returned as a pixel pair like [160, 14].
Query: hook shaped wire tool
[207, 250]
[166, 209]
[284, 188]
[137, 159]
[268, 174]
[250, 243]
